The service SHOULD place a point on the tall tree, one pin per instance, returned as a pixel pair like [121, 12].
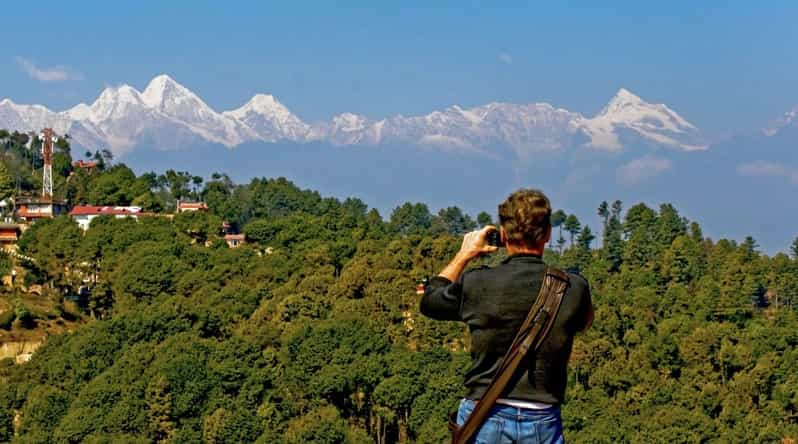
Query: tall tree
[749, 248]
[639, 229]
[604, 214]
[178, 183]
[159, 405]
[670, 225]
[557, 220]
[196, 184]
[572, 226]
[411, 218]
[695, 232]
[583, 251]
[218, 194]
[585, 238]
[560, 243]
[617, 208]
[794, 248]
[613, 242]
[452, 220]
[483, 218]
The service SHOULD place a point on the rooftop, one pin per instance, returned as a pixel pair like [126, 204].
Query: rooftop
[90, 210]
[84, 164]
[198, 205]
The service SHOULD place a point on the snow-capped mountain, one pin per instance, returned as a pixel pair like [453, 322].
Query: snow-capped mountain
[35, 117]
[269, 120]
[524, 128]
[655, 123]
[121, 118]
[175, 101]
[351, 129]
[168, 115]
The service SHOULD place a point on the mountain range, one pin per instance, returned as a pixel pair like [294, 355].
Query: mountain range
[473, 157]
[170, 116]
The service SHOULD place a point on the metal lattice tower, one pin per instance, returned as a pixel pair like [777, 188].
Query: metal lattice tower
[47, 156]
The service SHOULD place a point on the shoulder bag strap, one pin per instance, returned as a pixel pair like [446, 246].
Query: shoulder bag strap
[533, 332]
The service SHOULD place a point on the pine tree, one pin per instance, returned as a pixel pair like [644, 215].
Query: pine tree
[159, 404]
[585, 238]
[639, 229]
[612, 235]
[613, 243]
[483, 218]
[617, 208]
[669, 225]
[604, 214]
[572, 225]
[583, 242]
[557, 220]
[794, 248]
[452, 220]
[560, 243]
[695, 232]
[749, 247]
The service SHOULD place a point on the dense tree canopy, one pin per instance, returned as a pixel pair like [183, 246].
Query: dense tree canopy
[311, 333]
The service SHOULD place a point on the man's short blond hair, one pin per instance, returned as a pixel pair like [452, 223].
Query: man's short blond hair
[526, 217]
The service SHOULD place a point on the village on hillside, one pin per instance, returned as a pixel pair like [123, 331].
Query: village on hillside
[20, 210]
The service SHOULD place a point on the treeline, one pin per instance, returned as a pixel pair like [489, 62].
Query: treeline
[311, 333]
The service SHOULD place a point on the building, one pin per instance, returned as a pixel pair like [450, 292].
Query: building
[31, 209]
[234, 240]
[191, 206]
[84, 164]
[84, 214]
[9, 235]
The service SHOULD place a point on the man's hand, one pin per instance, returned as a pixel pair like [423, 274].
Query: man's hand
[474, 245]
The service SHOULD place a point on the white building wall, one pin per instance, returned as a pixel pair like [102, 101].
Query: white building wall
[84, 220]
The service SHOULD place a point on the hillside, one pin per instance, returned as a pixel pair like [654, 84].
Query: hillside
[310, 331]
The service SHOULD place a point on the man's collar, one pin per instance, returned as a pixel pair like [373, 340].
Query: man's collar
[531, 257]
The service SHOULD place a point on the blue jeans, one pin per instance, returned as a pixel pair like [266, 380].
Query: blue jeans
[513, 425]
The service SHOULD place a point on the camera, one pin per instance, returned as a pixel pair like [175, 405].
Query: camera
[494, 238]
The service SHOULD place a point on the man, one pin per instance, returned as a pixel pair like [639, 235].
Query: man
[494, 302]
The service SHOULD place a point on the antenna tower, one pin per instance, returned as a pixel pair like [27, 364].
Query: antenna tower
[47, 155]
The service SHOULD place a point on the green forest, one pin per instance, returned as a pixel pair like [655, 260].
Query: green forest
[310, 332]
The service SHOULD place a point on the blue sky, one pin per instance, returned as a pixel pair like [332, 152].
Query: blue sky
[727, 66]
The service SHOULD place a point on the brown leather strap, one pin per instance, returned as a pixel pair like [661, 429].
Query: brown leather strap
[530, 336]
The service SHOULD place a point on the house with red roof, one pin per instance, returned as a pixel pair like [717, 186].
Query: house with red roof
[84, 164]
[31, 209]
[9, 235]
[191, 206]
